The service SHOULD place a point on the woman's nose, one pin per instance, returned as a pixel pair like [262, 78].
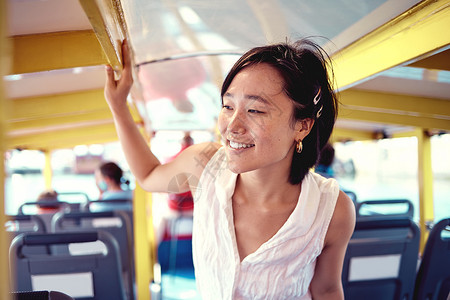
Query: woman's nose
[236, 124]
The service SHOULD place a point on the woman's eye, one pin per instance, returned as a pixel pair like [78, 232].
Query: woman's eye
[227, 107]
[255, 111]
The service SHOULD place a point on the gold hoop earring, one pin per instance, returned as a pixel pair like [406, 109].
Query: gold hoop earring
[299, 146]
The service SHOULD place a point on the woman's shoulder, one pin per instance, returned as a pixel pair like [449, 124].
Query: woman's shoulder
[343, 220]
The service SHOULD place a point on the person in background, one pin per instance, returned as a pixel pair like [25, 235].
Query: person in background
[48, 202]
[111, 183]
[326, 158]
[182, 201]
[179, 206]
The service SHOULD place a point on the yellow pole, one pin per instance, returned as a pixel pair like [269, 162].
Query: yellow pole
[4, 241]
[48, 172]
[151, 236]
[425, 185]
[143, 267]
[144, 237]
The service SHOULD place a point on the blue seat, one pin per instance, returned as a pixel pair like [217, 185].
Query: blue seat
[381, 260]
[176, 273]
[108, 205]
[117, 223]
[17, 224]
[55, 204]
[175, 255]
[90, 276]
[45, 216]
[433, 277]
[385, 208]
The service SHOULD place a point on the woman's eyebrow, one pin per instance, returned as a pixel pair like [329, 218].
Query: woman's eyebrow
[257, 98]
[249, 97]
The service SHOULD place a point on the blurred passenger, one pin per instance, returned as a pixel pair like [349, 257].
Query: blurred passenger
[324, 166]
[182, 201]
[48, 202]
[179, 205]
[111, 183]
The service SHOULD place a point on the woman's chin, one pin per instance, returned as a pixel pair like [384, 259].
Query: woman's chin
[238, 168]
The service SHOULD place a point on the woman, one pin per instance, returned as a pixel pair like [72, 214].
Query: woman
[265, 227]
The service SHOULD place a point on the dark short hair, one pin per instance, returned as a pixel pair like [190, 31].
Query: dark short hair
[304, 67]
[112, 171]
[326, 156]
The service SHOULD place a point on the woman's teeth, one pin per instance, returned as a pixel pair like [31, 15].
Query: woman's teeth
[235, 145]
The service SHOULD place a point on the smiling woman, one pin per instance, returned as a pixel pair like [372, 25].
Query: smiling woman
[257, 206]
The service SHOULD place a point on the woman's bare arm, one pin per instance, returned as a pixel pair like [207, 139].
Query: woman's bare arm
[183, 171]
[327, 282]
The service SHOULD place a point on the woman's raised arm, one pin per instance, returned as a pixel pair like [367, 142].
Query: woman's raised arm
[150, 174]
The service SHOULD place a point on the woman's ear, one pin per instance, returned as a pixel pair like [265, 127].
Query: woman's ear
[303, 128]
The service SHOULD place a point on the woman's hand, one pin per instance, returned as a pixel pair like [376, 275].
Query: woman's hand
[116, 91]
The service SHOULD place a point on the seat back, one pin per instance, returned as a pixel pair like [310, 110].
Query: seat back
[175, 254]
[46, 216]
[433, 277]
[124, 205]
[386, 208]
[54, 204]
[108, 205]
[117, 223]
[91, 276]
[17, 224]
[40, 295]
[381, 260]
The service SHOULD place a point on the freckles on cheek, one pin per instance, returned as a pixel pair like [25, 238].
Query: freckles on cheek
[221, 124]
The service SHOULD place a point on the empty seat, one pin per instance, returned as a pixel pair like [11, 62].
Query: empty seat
[175, 255]
[381, 260]
[108, 205]
[17, 224]
[46, 215]
[386, 208]
[91, 276]
[433, 277]
[54, 204]
[117, 223]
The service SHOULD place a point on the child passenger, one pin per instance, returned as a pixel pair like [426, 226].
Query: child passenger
[265, 226]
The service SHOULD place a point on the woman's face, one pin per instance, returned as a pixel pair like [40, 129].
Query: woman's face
[255, 121]
[101, 181]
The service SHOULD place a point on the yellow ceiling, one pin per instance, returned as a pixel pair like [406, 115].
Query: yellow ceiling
[65, 119]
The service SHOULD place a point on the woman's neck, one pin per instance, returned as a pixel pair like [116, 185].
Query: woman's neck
[115, 188]
[267, 188]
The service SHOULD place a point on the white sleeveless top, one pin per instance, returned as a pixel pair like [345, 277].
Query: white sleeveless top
[282, 267]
